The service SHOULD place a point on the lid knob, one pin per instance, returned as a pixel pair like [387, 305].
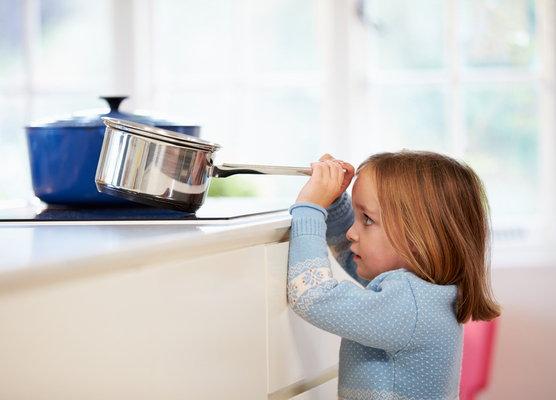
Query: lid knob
[114, 102]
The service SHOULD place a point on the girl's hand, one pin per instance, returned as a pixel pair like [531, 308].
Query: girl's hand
[349, 171]
[328, 181]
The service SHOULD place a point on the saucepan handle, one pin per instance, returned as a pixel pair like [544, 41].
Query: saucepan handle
[224, 170]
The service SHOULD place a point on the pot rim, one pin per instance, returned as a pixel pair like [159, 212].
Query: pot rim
[164, 135]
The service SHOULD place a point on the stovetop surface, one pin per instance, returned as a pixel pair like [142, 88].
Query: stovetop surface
[110, 213]
[214, 209]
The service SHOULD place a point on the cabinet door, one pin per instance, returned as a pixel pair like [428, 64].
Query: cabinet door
[211, 326]
[326, 391]
[297, 350]
[186, 329]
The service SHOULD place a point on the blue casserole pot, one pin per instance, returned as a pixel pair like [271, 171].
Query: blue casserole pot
[64, 154]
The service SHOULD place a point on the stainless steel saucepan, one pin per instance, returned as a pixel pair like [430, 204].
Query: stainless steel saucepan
[165, 169]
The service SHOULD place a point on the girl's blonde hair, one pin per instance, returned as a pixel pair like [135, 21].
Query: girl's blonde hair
[436, 216]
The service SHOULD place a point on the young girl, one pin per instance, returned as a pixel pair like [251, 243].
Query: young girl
[416, 237]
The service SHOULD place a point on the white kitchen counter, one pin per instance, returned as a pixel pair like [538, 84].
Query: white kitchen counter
[167, 309]
[35, 250]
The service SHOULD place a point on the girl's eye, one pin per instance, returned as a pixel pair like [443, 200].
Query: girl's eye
[368, 221]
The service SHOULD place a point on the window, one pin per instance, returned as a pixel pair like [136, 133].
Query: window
[55, 58]
[283, 81]
[251, 74]
[472, 79]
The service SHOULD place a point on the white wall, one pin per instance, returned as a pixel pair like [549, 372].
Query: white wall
[525, 353]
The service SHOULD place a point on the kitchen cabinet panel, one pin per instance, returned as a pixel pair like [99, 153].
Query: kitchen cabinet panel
[87, 338]
[189, 329]
[296, 349]
[211, 328]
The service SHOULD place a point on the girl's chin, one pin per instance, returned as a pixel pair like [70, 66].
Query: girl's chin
[362, 273]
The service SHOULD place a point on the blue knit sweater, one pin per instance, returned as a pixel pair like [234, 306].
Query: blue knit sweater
[400, 336]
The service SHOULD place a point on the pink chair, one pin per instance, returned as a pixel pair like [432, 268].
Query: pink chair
[478, 344]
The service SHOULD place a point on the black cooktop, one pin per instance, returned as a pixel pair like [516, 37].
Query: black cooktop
[132, 211]
[138, 212]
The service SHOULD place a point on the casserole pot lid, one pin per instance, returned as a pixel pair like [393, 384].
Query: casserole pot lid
[160, 134]
[93, 118]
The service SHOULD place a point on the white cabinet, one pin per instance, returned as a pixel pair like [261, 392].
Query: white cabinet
[214, 326]
[296, 349]
[189, 329]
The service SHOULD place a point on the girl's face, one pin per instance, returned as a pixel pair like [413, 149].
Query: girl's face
[373, 252]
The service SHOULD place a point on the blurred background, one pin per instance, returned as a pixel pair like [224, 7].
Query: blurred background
[282, 82]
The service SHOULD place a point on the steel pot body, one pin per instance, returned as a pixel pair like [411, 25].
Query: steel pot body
[164, 169]
[64, 155]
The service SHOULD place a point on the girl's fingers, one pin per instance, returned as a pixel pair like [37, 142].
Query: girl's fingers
[333, 165]
[328, 169]
[332, 170]
[326, 183]
[349, 172]
[326, 157]
[348, 168]
[317, 170]
[336, 173]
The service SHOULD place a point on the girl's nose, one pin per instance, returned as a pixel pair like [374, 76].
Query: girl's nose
[351, 235]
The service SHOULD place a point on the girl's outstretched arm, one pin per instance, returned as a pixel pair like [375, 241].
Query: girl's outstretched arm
[340, 219]
[327, 188]
[369, 317]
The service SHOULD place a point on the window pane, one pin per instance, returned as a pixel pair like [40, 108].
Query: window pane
[249, 74]
[502, 124]
[410, 34]
[11, 43]
[15, 179]
[285, 129]
[286, 125]
[212, 109]
[76, 44]
[499, 33]
[285, 35]
[53, 105]
[269, 127]
[409, 117]
[194, 37]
